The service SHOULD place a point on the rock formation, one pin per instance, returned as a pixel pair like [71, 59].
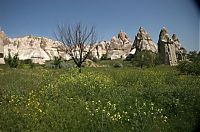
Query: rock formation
[180, 51]
[100, 49]
[119, 46]
[1, 52]
[39, 49]
[143, 41]
[3, 40]
[167, 48]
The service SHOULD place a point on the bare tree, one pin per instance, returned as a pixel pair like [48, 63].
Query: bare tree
[79, 40]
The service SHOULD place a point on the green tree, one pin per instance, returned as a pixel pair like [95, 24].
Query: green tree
[144, 58]
[192, 66]
[192, 55]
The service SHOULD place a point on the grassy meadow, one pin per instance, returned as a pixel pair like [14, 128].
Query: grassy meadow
[156, 99]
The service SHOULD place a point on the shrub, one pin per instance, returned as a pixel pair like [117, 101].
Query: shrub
[144, 58]
[186, 67]
[117, 65]
[27, 62]
[129, 57]
[105, 57]
[57, 62]
[192, 55]
[12, 61]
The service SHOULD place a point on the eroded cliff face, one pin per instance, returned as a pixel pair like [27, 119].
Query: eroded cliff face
[41, 49]
[143, 41]
[166, 48]
[117, 48]
[3, 40]
[120, 46]
[100, 49]
[180, 51]
[170, 49]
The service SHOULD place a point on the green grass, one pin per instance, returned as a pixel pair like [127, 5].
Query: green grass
[99, 99]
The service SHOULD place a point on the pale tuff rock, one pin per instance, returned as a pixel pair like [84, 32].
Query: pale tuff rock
[3, 39]
[143, 41]
[123, 37]
[120, 46]
[1, 52]
[176, 42]
[100, 49]
[167, 48]
[180, 51]
[39, 49]
[90, 63]
[170, 49]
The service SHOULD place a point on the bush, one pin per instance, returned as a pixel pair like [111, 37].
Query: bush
[129, 57]
[12, 61]
[144, 58]
[117, 65]
[27, 63]
[193, 55]
[57, 62]
[105, 57]
[186, 67]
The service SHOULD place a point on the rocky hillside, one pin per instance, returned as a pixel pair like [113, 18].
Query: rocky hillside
[143, 41]
[41, 49]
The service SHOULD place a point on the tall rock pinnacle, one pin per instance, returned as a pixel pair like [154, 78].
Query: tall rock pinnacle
[166, 48]
[143, 41]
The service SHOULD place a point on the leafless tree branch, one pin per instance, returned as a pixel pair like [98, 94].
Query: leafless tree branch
[78, 39]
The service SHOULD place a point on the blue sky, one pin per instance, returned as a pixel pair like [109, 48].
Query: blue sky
[41, 17]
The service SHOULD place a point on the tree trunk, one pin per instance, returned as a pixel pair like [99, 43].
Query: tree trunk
[141, 66]
[79, 70]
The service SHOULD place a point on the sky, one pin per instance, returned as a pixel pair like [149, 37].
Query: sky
[19, 18]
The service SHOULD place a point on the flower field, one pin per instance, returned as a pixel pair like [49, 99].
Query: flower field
[154, 99]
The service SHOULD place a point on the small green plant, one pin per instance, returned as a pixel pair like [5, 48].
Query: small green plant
[12, 62]
[104, 57]
[57, 62]
[27, 63]
[118, 65]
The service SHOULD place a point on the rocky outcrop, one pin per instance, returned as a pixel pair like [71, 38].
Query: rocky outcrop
[167, 48]
[1, 52]
[143, 41]
[100, 49]
[3, 40]
[180, 51]
[119, 46]
[39, 49]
